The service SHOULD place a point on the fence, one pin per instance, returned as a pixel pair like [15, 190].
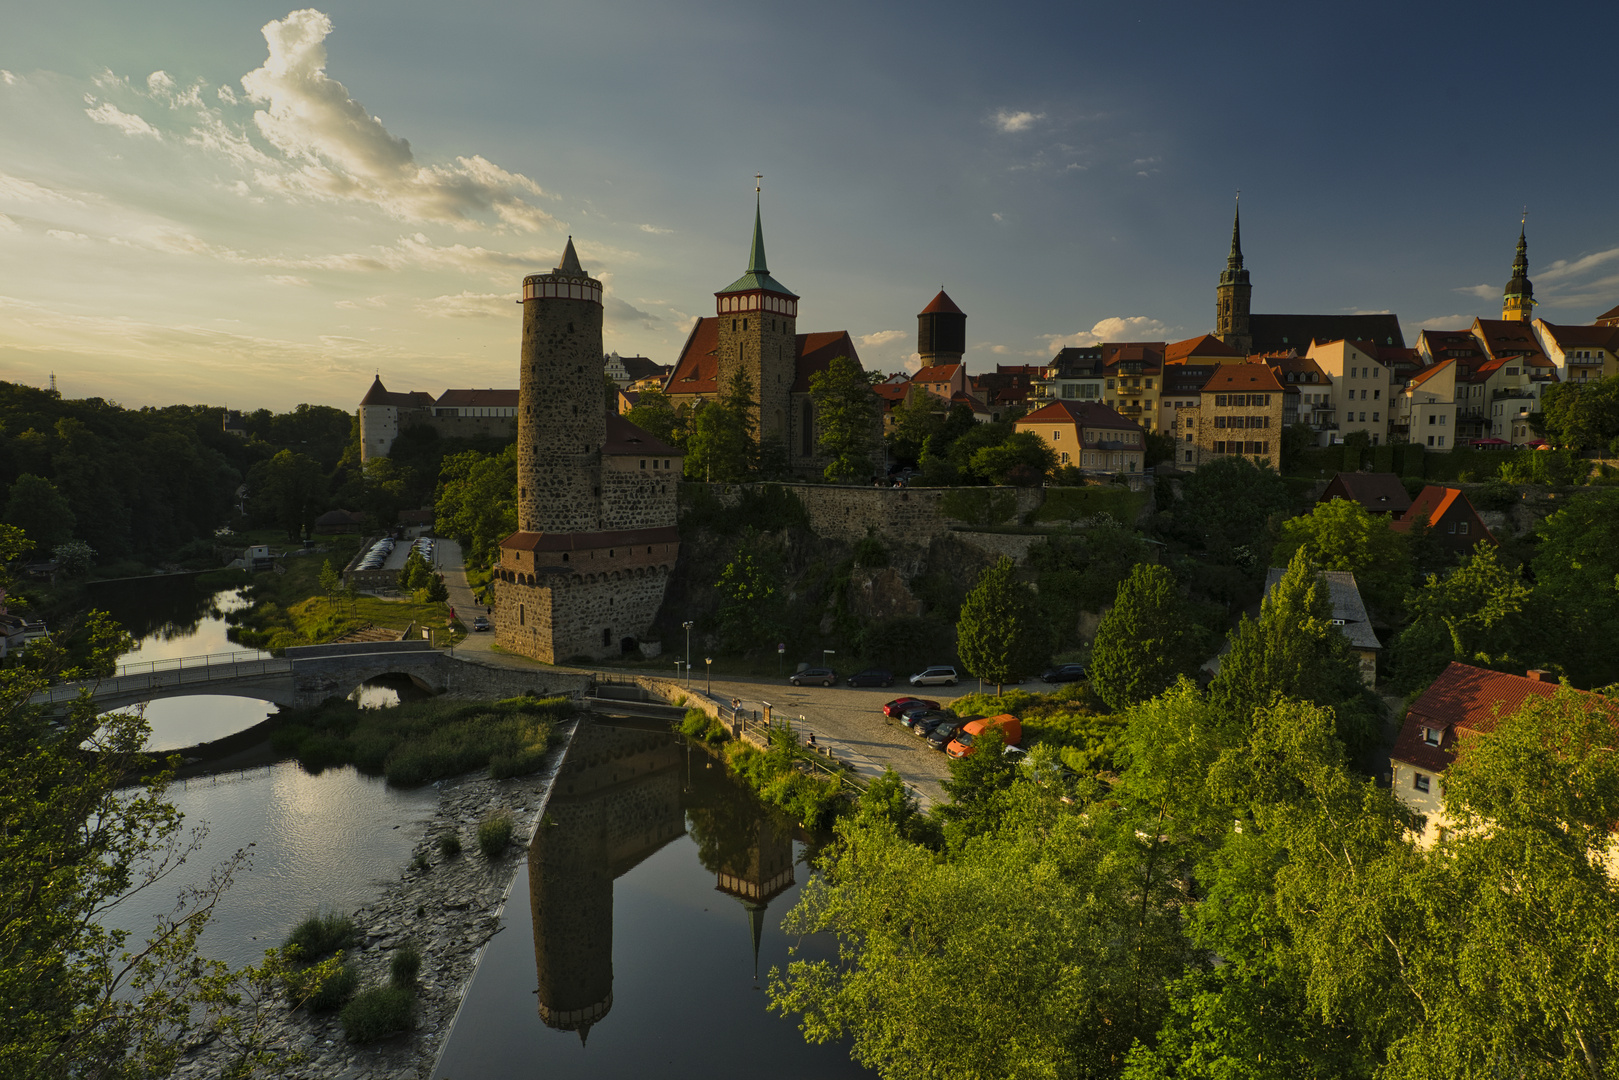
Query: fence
[179, 663]
[185, 669]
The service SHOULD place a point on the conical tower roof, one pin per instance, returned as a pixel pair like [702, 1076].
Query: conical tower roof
[942, 304]
[570, 261]
[758, 275]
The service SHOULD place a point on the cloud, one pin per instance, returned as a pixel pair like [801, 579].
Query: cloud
[881, 337]
[130, 124]
[340, 152]
[7, 225]
[913, 363]
[1563, 268]
[1113, 328]
[1007, 121]
[468, 305]
[287, 279]
[369, 302]
[617, 312]
[8, 78]
[63, 234]
[997, 216]
[1483, 292]
[1443, 322]
[653, 229]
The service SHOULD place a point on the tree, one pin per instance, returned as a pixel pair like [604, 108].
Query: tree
[74, 558]
[40, 511]
[477, 501]
[845, 419]
[331, 582]
[654, 413]
[1476, 613]
[415, 574]
[997, 634]
[287, 490]
[721, 447]
[1580, 415]
[750, 597]
[1024, 459]
[1292, 651]
[1227, 504]
[916, 420]
[1342, 535]
[1576, 601]
[1161, 447]
[1145, 642]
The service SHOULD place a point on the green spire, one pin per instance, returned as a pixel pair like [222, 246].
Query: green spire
[757, 276]
[756, 258]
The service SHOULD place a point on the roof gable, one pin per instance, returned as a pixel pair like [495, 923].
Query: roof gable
[1242, 377]
[941, 303]
[1381, 493]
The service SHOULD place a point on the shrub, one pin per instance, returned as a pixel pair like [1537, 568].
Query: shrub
[494, 834]
[699, 725]
[305, 987]
[379, 1012]
[321, 935]
[449, 845]
[404, 967]
[420, 862]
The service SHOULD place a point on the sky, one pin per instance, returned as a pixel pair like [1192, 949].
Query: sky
[254, 205]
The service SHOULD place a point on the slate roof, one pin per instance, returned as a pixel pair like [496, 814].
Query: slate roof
[640, 367]
[1347, 606]
[381, 395]
[1583, 337]
[1503, 337]
[697, 369]
[480, 399]
[1380, 493]
[624, 437]
[1275, 333]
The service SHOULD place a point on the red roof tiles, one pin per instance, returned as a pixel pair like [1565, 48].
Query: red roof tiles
[1239, 377]
[941, 303]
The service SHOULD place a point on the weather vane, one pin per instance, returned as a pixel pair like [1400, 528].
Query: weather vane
[758, 179]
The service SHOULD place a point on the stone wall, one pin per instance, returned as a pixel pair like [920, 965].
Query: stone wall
[587, 616]
[474, 427]
[899, 515]
[635, 496]
[1015, 545]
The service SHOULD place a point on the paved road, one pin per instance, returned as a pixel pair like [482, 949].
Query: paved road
[847, 719]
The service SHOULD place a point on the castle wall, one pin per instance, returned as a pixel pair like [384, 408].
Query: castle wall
[474, 427]
[589, 615]
[564, 420]
[637, 497]
[900, 515]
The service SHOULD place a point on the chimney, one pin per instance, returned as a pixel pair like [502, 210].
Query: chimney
[1538, 675]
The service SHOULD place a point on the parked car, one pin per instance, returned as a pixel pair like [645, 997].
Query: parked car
[943, 735]
[824, 676]
[1064, 673]
[872, 677]
[924, 724]
[480, 623]
[940, 674]
[893, 707]
[908, 715]
[1015, 754]
[1011, 734]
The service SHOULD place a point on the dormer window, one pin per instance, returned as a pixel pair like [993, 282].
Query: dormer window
[1433, 736]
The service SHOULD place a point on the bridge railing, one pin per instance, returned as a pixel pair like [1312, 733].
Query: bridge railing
[180, 663]
[158, 674]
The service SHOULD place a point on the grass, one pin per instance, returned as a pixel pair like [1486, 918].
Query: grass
[494, 835]
[1072, 720]
[405, 966]
[378, 1012]
[306, 988]
[421, 741]
[1073, 503]
[813, 799]
[449, 845]
[321, 935]
[699, 725]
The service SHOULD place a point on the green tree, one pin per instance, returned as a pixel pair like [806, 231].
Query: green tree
[1161, 447]
[917, 420]
[1024, 459]
[1475, 613]
[722, 447]
[331, 582]
[74, 558]
[1293, 651]
[1576, 598]
[1228, 503]
[750, 596]
[1342, 535]
[39, 510]
[287, 490]
[415, 574]
[1580, 415]
[1145, 642]
[477, 502]
[846, 419]
[998, 636]
[654, 413]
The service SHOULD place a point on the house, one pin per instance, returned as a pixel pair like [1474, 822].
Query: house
[1074, 374]
[1362, 386]
[1609, 317]
[1377, 493]
[1463, 703]
[1581, 353]
[1348, 615]
[1131, 374]
[1089, 436]
[1183, 385]
[1239, 412]
[942, 380]
[1008, 387]
[1309, 392]
[626, 371]
[339, 521]
[1452, 521]
[234, 424]
[891, 395]
[1425, 408]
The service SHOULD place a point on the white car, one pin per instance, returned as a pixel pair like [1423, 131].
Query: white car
[941, 674]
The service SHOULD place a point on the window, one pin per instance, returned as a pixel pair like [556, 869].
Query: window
[1110, 384]
[1432, 736]
[1149, 384]
[1219, 421]
[1377, 395]
[643, 463]
[1189, 423]
[1430, 440]
[1441, 440]
[1461, 527]
[1219, 447]
[1219, 400]
[1375, 417]
[1419, 781]
[1432, 420]
[1188, 436]
[1188, 453]
[1442, 422]
[1056, 434]
[1065, 457]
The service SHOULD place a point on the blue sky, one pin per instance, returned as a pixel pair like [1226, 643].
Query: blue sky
[255, 205]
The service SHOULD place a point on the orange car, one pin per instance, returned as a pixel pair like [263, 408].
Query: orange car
[1011, 734]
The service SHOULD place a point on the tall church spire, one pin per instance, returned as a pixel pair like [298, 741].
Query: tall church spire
[1234, 260]
[1233, 294]
[756, 257]
[1518, 299]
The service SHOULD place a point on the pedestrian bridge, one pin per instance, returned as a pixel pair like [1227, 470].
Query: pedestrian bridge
[302, 677]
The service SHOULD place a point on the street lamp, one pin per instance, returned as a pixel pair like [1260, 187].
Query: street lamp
[826, 655]
[687, 625]
[709, 660]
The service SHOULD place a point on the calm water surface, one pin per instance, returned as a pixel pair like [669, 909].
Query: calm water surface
[641, 928]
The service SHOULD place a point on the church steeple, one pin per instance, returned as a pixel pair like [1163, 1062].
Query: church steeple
[1233, 295]
[1518, 300]
[756, 257]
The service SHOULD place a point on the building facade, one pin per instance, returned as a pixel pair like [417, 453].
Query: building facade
[1360, 384]
[1089, 436]
[585, 573]
[1239, 414]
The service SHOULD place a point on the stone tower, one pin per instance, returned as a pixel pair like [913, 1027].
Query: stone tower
[1231, 324]
[585, 572]
[1518, 301]
[941, 332]
[561, 421]
[758, 318]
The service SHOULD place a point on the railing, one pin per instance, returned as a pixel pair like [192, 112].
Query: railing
[149, 676]
[815, 757]
[180, 663]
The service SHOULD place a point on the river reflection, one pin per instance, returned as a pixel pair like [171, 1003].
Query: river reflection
[169, 617]
[655, 891]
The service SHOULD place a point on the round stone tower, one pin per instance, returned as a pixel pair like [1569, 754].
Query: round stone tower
[562, 418]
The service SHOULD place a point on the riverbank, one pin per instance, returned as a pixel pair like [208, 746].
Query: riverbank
[448, 911]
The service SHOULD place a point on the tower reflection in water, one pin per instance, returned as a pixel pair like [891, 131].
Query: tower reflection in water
[623, 793]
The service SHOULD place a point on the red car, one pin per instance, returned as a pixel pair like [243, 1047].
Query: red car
[893, 708]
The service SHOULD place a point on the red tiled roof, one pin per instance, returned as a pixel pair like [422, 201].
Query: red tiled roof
[484, 399]
[624, 437]
[531, 541]
[895, 392]
[1433, 503]
[1504, 337]
[1242, 377]
[1084, 413]
[1202, 345]
[697, 369]
[380, 395]
[1464, 700]
[936, 373]
[1299, 365]
[1427, 373]
[816, 353]
[941, 303]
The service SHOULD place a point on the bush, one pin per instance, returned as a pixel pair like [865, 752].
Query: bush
[304, 987]
[449, 845]
[699, 725]
[404, 967]
[321, 935]
[494, 834]
[379, 1012]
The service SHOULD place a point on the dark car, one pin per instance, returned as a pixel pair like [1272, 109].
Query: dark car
[872, 677]
[909, 713]
[1065, 673]
[940, 737]
[922, 724]
[898, 706]
[480, 623]
[824, 676]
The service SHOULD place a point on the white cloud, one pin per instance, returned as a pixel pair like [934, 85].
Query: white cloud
[368, 302]
[1563, 268]
[617, 312]
[17, 189]
[111, 115]
[8, 78]
[287, 279]
[1443, 322]
[7, 225]
[340, 152]
[1113, 328]
[998, 218]
[227, 95]
[1007, 121]
[654, 230]
[468, 305]
[881, 337]
[913, 363]
[160, 83]
[70, 237]
[1483, 292]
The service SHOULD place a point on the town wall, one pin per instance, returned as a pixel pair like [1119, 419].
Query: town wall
[565, 616]
[634, 497]
[472, 427]
[899, 515]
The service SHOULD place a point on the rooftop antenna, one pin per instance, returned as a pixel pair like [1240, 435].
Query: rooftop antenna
[53, 382]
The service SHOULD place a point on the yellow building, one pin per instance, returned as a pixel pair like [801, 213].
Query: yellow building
[1089, 436]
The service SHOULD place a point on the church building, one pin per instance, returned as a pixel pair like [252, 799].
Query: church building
[754, 332]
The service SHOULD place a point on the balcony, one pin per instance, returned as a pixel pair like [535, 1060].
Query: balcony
[1128, 410]
[1510, 393]
[1584, 361]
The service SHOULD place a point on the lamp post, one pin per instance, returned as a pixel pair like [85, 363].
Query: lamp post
[826, 657]
[709, 661]
[687, 625]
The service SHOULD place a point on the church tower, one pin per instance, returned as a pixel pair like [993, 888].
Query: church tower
[941, 332]
[758, 317]
[1518, 302]
[1233, 296]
